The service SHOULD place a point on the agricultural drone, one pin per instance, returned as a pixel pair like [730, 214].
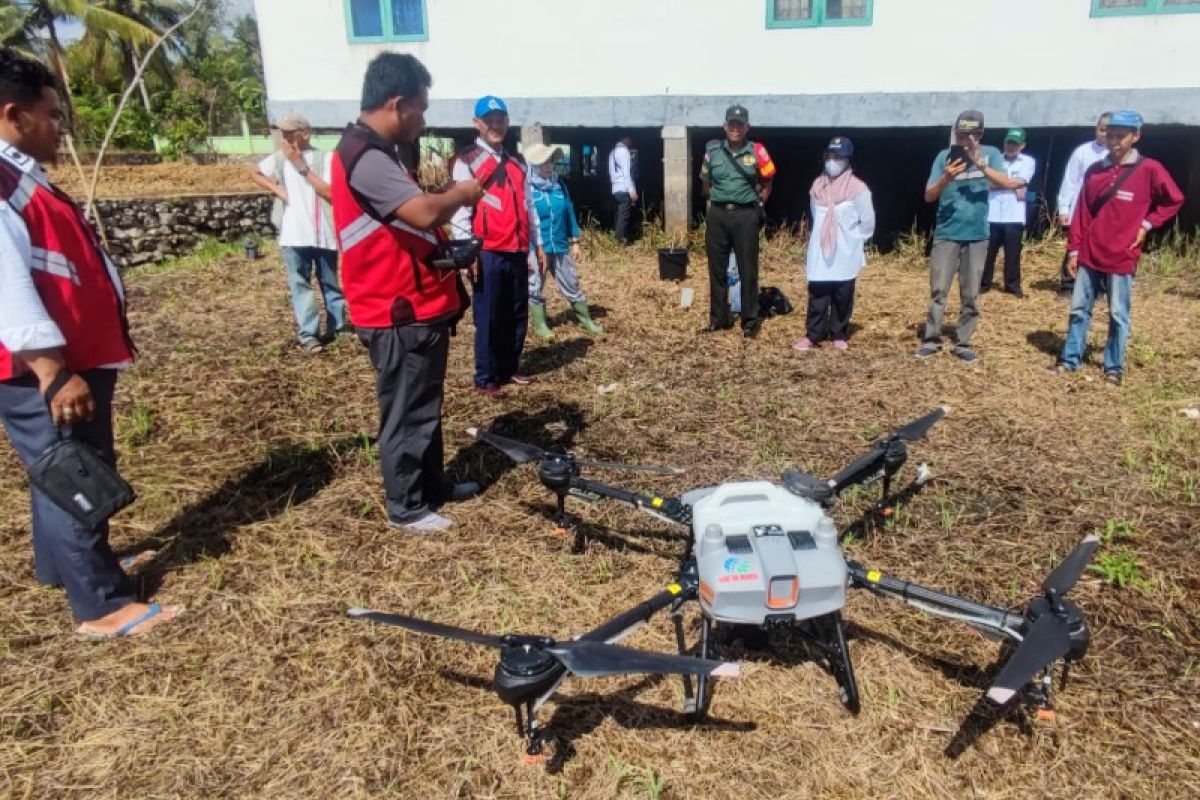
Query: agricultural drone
[766, 555]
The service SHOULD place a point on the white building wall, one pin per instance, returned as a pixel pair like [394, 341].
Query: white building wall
[659, 61]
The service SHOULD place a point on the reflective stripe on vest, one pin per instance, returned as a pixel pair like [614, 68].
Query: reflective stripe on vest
[54, 263]
[357, 231]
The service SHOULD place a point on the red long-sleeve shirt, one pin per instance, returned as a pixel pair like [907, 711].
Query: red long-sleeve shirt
[1103, 241]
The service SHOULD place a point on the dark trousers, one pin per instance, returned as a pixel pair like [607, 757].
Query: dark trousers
[830, 304]
[64, 552]
[1066, 284]
[501, 309]
[1008, 235]
[624, 213]
[410, 366]
[732, 230]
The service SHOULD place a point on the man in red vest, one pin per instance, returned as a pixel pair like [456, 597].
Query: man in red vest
[401, 306]
[503, 220]
[63, 338]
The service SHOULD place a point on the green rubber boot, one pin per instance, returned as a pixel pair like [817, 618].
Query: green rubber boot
[537, 317]
[585, 318]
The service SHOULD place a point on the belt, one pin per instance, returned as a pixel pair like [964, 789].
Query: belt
[734, 206]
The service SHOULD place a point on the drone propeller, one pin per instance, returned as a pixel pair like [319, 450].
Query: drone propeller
[1049, 637]
[1046, 641]
[1064, 576]
[522, 453]
[585, 658]
[917, 429]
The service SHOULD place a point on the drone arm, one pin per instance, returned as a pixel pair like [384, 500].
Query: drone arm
[865, 468]
[932, 600]
[639, 614]
[668, 508]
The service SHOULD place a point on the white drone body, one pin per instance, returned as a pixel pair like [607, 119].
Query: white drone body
[764, 555]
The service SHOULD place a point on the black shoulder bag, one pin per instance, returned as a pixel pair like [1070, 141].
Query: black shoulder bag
[76, 478]
[750, 179]
[1103, 199]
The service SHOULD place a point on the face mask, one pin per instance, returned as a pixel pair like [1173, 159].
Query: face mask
[836, 166]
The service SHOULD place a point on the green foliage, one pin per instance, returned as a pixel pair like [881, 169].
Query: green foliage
[1118, 565]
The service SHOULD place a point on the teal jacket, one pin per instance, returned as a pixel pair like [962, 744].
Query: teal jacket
[556, 214]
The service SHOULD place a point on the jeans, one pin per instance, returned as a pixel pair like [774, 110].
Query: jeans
[300, 262]
[1090, 284]
[947, 259]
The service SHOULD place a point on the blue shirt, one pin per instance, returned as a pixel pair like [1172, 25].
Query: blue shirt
[556, 216]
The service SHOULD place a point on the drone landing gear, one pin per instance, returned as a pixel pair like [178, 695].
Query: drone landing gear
[566, 524]
[695, 702]
[828, 634]
[534, 734]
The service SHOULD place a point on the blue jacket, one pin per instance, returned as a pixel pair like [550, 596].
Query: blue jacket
[556, 214]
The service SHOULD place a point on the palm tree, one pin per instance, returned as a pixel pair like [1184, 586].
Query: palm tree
[33, 17]
[156, 15]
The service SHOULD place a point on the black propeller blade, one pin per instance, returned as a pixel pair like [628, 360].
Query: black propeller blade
[917, 429]
[584, 658]
[1045, 642]
[522, 453]
[866, 463]
[589, 659]
[428, 628]
[1064, 576]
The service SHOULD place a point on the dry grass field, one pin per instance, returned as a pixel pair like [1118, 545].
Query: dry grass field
[258, 482]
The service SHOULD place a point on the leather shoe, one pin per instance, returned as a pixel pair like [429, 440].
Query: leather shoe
[710, 328]
[750, 329]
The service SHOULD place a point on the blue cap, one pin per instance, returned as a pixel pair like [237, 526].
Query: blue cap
[841, 147]
[1126, 119]
[487, 104]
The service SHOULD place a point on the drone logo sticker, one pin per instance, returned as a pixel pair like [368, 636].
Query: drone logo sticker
[737, 570]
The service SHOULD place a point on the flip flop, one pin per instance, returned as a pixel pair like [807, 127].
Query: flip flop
[127, 629]
[135, 561]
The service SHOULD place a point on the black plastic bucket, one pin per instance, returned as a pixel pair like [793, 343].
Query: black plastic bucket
[672, 263]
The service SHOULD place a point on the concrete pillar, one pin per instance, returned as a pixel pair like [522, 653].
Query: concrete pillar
[532, 134]
[677, 180]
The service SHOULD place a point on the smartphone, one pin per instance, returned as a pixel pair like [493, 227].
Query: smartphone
[958, 153]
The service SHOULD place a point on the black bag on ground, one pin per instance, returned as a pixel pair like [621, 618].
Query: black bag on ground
[773, 303]
[79, 481]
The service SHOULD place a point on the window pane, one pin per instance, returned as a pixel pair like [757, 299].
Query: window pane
[408, 17]
[846, 9]
[1123, 3]
[365, 18]
[793, 9]
[1184, 3]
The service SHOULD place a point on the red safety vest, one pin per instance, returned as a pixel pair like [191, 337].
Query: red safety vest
[501, 218]
[386, 276]
[70, 273]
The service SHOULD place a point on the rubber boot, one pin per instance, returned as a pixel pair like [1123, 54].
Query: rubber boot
[537, 318]
[585, 318]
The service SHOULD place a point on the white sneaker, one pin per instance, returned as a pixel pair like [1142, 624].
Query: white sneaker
[429, 522]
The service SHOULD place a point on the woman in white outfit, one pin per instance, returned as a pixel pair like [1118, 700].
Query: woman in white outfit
[843, 220]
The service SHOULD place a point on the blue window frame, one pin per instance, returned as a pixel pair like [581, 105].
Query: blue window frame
[386, 21]
[818, 13]
[1123, 8]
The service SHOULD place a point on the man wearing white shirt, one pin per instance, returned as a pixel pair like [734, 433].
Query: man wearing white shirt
[1007, 213]
[63, 340]
[1072, 184]
[624, 190]
[299, 175]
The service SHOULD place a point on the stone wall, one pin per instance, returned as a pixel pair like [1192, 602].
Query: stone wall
[142, 231]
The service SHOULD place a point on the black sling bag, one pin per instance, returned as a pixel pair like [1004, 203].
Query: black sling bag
[1103, 199]
[750, 179]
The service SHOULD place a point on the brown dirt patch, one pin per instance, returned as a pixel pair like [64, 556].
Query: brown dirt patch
[257, 482]
[156, 180]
